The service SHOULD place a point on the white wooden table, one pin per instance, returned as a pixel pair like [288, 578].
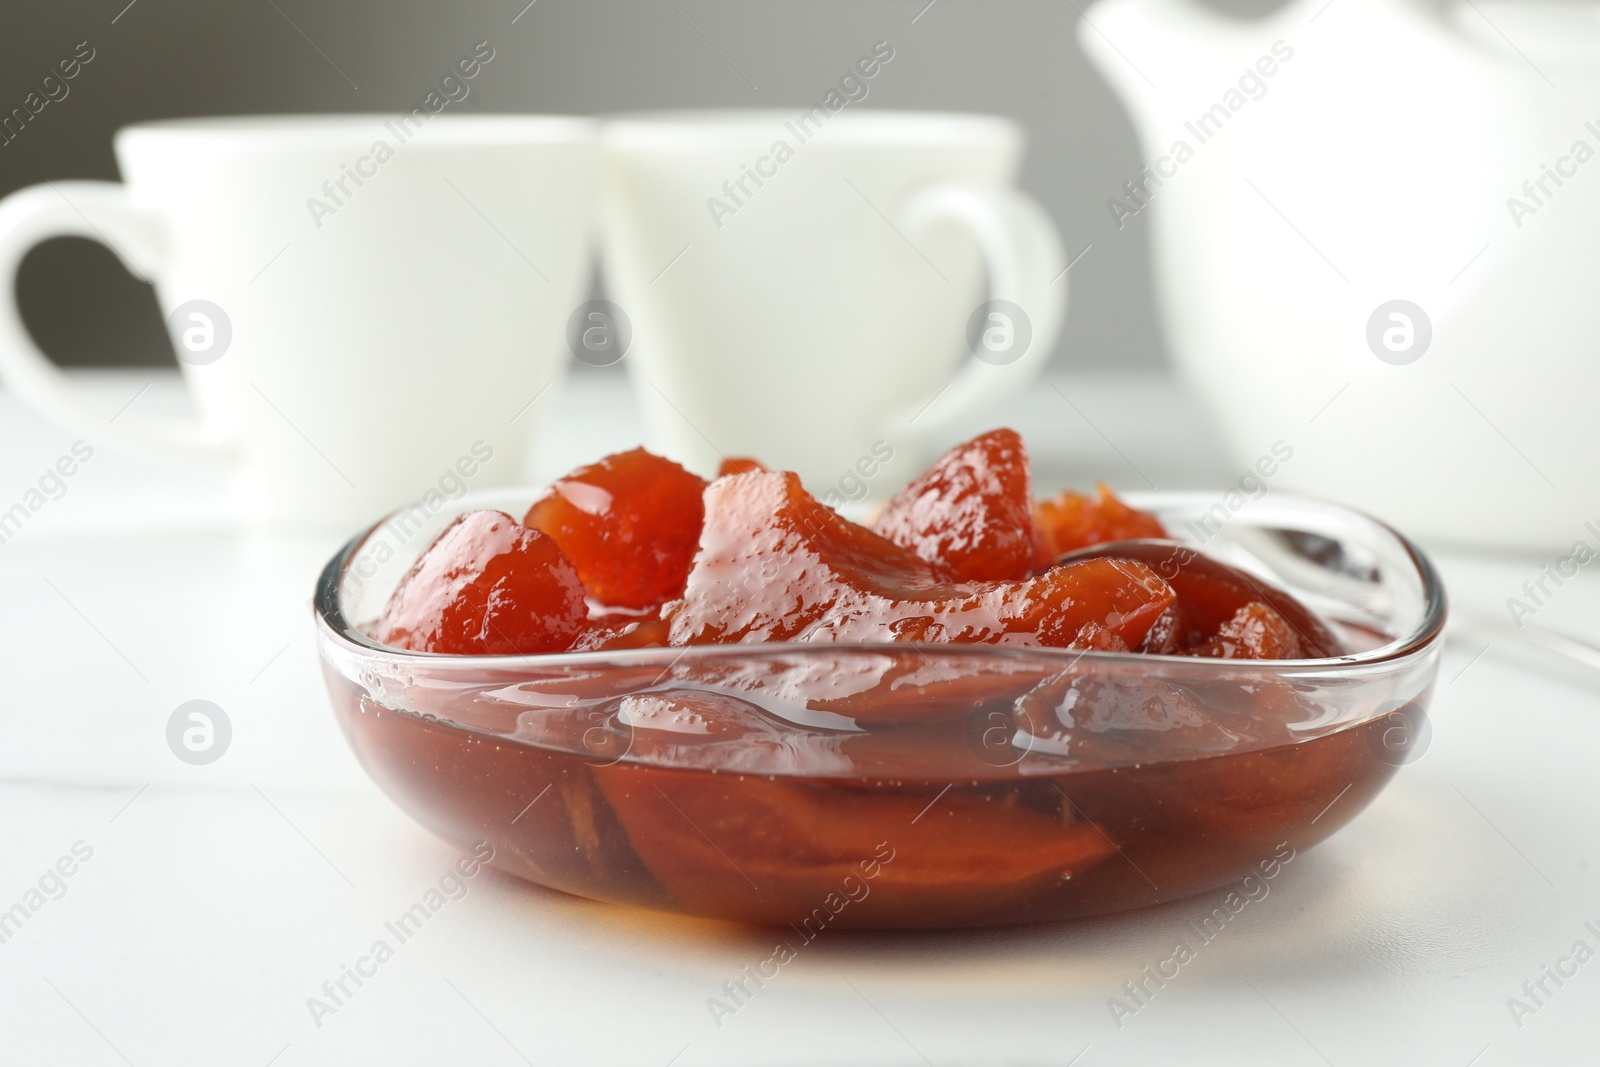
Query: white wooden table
[215, 900]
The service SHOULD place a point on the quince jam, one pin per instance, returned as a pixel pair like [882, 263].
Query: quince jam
[902, 777]
[635, 552]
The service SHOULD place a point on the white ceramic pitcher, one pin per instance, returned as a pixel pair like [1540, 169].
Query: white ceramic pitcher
[1320, 165]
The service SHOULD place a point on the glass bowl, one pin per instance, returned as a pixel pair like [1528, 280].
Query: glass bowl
[901, 785]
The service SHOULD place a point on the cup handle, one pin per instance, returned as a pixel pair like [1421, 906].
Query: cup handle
[101, 211]
[1025, 265]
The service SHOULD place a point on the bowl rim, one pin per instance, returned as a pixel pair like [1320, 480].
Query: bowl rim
[1429, 630]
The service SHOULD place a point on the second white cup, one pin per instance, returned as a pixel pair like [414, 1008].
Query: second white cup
[815, 288]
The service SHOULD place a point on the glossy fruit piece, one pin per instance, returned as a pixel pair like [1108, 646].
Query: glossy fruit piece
[628, 523]
[1072, 521]
[1212, 593]
[870, 687]
[1255, 632]
[610, 633]
[1110, 715]
[739, 465]
[777, 849]
[776, 565]
[1097, 637]
[487, 586]
[1169, 635]
[972, 511]
[1240, 806]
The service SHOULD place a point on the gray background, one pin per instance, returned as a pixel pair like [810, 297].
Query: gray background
[164, 58]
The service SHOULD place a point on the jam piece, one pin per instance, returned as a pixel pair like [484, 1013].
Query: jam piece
[1211, 594]
[487, 586]
[776, 565]
[628, 523]
[1072, 521]
[1256, 775]
[1095, 637]
[1169, 635]
[785, 847]
[869, 687]
[972, 511]
[1102, 717]
[1255, 632]
[610, 633]
[739, 465]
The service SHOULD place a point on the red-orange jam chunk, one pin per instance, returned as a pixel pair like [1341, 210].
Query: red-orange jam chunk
[628, 523]
[972, 511]
[1170, 634]
[1101, 638]
[956, 848]
[1212, 600]
[739, 465]
[776, 565]
[1256, 631]
[1072, 521]
[487, 586]
[610, 633]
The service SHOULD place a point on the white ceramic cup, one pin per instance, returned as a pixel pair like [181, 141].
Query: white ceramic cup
[800, 284]
[361, 304]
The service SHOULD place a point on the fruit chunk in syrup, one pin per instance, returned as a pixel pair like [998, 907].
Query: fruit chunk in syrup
[487, 586]
[1226, 612]
[961, 555]
[972, 511]
[628, 523]
[776, 565]
[1072, 521]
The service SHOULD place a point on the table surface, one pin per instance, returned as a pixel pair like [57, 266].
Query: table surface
[207, 904]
